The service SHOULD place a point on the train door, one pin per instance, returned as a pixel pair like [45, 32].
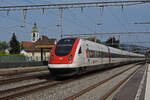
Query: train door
[86, 54]
[101, 55]
[109, 55]
[80, 55]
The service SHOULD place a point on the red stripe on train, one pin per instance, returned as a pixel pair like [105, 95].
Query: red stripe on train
[64, 59]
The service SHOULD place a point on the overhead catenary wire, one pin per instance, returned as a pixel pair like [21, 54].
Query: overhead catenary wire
[47, 26]
[29, 23]
[77, 22]
[111, 33]
[24, 13]
[76, 19]
[124, 26]
[73, 5]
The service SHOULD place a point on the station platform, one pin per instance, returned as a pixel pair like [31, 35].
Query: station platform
[18, 70]
[138, 87]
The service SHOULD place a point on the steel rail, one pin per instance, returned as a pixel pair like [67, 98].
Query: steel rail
[112, 90]
[23, 87]
[17, 79]
[23, 93]
[96, 85]
[73, 5]
[22, 71]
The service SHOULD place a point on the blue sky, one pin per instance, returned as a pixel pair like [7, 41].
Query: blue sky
[114, 19]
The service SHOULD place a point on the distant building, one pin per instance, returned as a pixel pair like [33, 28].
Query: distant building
[23, 52]
[148, 50]
[35, 33]
[6, 51]
[39, 50]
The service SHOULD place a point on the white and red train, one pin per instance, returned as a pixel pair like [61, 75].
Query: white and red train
[75, 55]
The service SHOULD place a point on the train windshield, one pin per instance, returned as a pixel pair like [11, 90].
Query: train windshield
[64, 46]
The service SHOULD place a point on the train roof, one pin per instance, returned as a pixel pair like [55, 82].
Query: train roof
[116, 50]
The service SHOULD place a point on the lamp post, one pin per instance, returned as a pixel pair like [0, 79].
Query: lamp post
[61, 23]
[58, 26]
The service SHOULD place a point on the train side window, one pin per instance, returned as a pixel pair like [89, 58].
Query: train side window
[80, 51]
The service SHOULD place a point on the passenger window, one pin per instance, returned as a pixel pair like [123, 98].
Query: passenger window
[80, 51]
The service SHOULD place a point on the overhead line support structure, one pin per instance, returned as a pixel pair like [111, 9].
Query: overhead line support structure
[70, 5]
[145, 42]
[73, 5]
[142, 23]
[60, 14]
[112, 33]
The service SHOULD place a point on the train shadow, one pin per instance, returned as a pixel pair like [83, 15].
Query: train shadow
[83, 75]
[86, 74]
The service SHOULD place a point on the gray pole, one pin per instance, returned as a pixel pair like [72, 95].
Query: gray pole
[61, 32]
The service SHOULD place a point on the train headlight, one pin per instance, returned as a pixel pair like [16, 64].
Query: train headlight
[70, 57]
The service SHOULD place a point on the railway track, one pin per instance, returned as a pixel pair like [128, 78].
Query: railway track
[22, 70]
[112, 90]
[12, 79]
[13, 93]
[27, 89]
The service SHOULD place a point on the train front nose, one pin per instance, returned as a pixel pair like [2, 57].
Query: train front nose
[64, 51]
[61, 60]
[62, 57]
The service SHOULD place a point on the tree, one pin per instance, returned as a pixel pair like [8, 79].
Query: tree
[136, 49]
[14, 45]
[22, 46]
[94, 39]
[113, 42]
[3, 45]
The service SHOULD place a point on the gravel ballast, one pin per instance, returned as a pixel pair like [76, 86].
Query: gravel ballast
[62, 91]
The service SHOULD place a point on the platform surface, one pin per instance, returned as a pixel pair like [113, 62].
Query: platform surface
[138, 87]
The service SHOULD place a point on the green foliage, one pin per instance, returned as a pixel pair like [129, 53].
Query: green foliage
[11, 55]
[122, 48]
[14, 45]
[136, 49]
[12, 58]
[98, 41]
[3, 45]
[94, 39]
[113, 42]
[2, 52]
[21, 46]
